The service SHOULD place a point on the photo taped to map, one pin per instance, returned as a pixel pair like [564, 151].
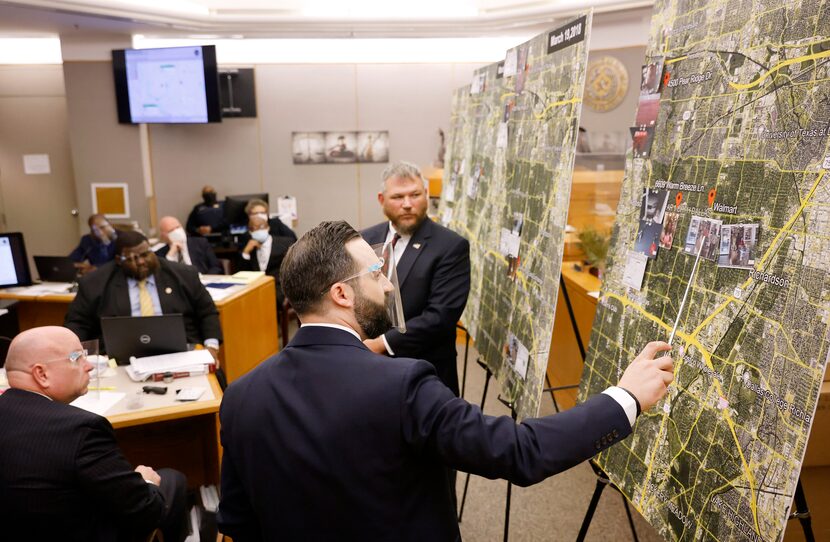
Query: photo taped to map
[521, 68]
[475, 178]
[635, 270]
[737, 245]
[670, 221]
[705, 231]
[517, 355]
[648, 238]
[647, 110]
[652, 77]
[642, 140]
[654, 205]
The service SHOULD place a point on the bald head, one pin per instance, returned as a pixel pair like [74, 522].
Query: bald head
[166, 225]
[38, 360]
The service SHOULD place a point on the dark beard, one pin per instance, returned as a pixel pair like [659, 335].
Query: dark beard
[373, 318]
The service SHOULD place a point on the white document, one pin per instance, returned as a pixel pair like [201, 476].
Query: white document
[98, 402]
[171, 362]
[189, 394]
[36, 164]
[501, 137]
[478, 83]
[287, 207]
[511, 61]
[635, 270]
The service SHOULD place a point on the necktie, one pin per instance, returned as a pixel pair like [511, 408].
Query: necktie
[395, 240]
[145, 302]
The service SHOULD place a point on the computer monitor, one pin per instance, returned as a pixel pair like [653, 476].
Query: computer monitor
[139, 336]
[235, 216]
[14, 265]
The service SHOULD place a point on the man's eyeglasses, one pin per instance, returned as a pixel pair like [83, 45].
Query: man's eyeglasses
[75, 358]
[132, 258]
[375, 269]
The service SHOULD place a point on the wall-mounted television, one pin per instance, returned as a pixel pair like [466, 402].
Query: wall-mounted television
[176, 85]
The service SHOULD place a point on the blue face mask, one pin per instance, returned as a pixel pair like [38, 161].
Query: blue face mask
[260, 236]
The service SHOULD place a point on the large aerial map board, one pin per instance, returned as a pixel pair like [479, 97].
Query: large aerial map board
[507, 185]
[736, 172]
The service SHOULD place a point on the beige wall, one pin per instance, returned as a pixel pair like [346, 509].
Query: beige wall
[33, 120]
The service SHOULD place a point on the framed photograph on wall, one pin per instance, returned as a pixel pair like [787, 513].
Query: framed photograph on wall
[373, 147]
[341, 147]
[308, 147]
[111, 199]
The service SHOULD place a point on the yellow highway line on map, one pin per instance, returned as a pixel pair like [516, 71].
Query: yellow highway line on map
[784, 64]
[541, 115]
[708, 360]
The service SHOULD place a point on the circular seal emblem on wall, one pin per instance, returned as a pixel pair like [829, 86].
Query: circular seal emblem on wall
[606, 84]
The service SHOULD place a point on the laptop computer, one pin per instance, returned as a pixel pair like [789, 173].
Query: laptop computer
[126, 336]
[56, 269]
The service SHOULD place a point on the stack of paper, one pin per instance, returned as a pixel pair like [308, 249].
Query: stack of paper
[194, 362]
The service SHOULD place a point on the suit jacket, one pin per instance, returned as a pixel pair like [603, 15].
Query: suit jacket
[93, 250]
[104, 292]
[329, 441]
[63, 477]
[279, 247]
[435, 283]
[201, 255]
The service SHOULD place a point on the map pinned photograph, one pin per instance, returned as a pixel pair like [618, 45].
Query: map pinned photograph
[308, 147]
[642, 140]
[449, 189]
[517, 355]
[647, 110]
[509, 244]
[652, 211]
[737, 245]
[654, 205]
[670, 221]
[475, 178]
[521, 68]
[704, 231]
[373, 147]
[652, 77]
[341, 147]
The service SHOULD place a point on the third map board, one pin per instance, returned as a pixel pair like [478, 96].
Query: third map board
[729, 163]
[507, 184]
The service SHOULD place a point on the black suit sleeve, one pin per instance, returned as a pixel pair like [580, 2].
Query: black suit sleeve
[82, 315]
[110, 480]
[456, 432]
[211, 261]
[204, 308]
[236, 515]
[447, 298]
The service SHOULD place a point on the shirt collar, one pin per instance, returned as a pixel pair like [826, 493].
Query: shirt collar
[393, 231]
[151, 279]
[335, 326]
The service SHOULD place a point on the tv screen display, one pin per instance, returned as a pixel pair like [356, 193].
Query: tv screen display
[177, 85]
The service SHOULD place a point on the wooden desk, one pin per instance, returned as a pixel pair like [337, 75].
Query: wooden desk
[248, 318]
[565, 361]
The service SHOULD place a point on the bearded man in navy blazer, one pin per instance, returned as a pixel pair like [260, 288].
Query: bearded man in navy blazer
[433, 267]
[330, 441]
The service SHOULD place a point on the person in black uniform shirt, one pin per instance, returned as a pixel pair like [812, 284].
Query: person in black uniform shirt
[329, 441]
[186, 249]
[62, 474]
[117, 289]
[433, 266]
[96, 247]
[206, 217]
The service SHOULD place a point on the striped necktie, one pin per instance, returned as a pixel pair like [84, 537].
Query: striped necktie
[145, 302]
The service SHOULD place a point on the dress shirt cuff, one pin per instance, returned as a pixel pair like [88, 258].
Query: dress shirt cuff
[386, 344]
[212, 343]
[246, 256]
[172, 257]
[625, 400]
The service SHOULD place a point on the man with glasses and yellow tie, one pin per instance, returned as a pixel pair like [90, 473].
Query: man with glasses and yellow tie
[62, 473]
[137, 283]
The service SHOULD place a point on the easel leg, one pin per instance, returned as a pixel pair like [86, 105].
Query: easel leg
[466, 354]
[467, 479]
[509, 487]
[630, 519]
[802, 513]
[589, 514]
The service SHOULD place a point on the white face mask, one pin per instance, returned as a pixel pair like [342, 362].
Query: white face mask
[259, 235]
[177, 236]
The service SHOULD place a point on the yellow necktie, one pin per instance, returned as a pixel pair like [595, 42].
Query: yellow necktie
[145, 302]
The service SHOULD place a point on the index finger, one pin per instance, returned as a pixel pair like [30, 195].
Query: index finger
[652, 348]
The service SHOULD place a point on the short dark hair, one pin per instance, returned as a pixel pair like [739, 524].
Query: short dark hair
[128, 239]
[315, 262]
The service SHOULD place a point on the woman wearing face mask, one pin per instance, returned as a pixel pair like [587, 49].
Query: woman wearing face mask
[264, 252]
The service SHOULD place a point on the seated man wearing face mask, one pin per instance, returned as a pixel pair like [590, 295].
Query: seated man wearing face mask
[186, 249]
[258, 207]
[208, 216]
[264, 251]
[96, 247]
